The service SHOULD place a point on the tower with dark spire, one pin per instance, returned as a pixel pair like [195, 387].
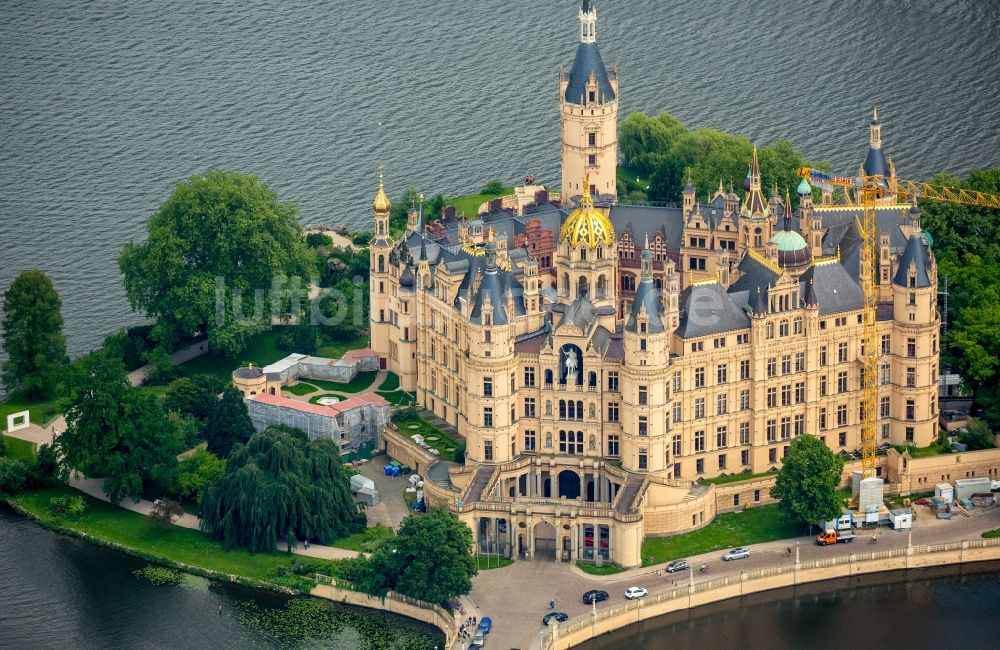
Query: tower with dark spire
[756, 212]
[588, 103]
[876, 162]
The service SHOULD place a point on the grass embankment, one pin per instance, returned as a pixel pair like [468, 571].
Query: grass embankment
[391, 382]
[261, 350]
[301, 389]
[594, 570]
[434, 437]
[469, 204]
[992, 534]
[753, 526]
[40, 412]
[17, 448]
[183, 548]
[489, 562]
[366, 541]
[398, 397]
[316, 398]
[734, 478]
[360, 382]
[337, 350]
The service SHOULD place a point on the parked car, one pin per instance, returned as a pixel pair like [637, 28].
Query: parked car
[594, 596]
[485, 625]
[479, 639]
[636, 592]
[554, 616]
[678, 565]
[738, 553]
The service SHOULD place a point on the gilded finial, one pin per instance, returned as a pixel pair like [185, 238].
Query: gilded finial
[875, 112]
[586, 201]
[381, 203]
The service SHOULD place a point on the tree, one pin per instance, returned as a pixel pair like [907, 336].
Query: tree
[216, 240]
[14, 474]
[430, 559]
[197, 472]
[229, 423]
[194, 396]
[163, 513]
[32, 336]
[114, 430]
[280, 485]
[806, 486]
[493, 187]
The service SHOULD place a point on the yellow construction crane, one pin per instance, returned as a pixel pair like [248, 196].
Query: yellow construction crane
[872, 188]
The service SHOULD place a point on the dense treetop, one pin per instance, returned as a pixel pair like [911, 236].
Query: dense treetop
[807, 483]
[32, 337]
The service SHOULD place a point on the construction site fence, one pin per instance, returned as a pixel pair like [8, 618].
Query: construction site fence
[629, 612]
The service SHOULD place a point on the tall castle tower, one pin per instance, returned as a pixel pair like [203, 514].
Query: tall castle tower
[588, 107]
[380, 291]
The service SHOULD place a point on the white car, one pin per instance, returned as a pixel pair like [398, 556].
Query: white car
[738, 553]
[635, 592]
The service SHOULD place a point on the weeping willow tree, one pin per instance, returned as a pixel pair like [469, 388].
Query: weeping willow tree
[279, 484]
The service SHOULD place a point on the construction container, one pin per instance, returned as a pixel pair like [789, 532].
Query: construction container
[359, 482]
[870, 495]
[966, 487]
[368, 496]
[983, 500]
[966, 503]
[901, 518]
[945, 491]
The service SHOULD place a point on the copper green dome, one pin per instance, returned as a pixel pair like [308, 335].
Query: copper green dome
[793, 251]
[804, 187]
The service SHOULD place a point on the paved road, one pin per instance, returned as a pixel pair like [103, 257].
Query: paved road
[516, 597]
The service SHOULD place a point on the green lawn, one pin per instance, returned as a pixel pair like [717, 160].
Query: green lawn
[594, 570]
[175, 544]
[337, 349]
[398, 397]
[261, 351]
[486, 562]
[753, 526]
[445, 443]
[300, 389]
[316, 398]
[391, 382]
[366, 541]
[40, 412]
[17, 448]
[469, 204]
[360, 382]
[734, 478]
[991, 534]
[932, 449]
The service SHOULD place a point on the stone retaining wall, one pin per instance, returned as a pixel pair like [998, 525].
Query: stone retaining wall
[584, 628]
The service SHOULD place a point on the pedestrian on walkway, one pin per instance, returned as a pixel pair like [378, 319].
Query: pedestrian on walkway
[220, 610]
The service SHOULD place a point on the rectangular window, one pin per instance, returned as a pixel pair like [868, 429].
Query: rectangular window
[741, 339]
[744, 369]
[909, 434]
[699, 441]
[613, 381]
[529, 440]
[721, 404]
[487, 450]
[529, 376]
[842, 352]
[643, 458]
[772, 430]
[612, 411]
[911, 409]
[786, 394]
[721, 438]
[756, 495]
[800, 362]
[744, 400]
[488, 417]
[842, 438]
[842, 415]
[487, 386]
[676, 445]
[786, 428]
[592, 139]
[772, 455]
[800, 424]
[613, 445]
[885, 374]
[772, 397]
[886, 344]
[643, 396]
[677, 412]
[911, 347]
[677, 382]
[699, 466]
[529, 407]
[722, 465]
[721, 373]
[643, 426]
[800, 392]
[884, 407]
[699, 377]
[786, 364]
[772, 367]
[745, 457]
[699, 408]
[822, 356]
[911, 377]
[744, 433]
[842, 381]
[822, 419]
[822, 386]
[591, 159]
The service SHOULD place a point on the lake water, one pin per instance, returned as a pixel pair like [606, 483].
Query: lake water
[104, 104]
[62, 592]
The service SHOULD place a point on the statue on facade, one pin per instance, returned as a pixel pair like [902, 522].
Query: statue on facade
[570, 366]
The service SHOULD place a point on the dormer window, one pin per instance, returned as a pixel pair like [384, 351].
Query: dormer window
[592, 96]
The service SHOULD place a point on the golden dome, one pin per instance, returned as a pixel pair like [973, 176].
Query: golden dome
[587, 224]
[381, 202]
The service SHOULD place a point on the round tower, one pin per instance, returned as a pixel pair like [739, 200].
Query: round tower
[379, 289]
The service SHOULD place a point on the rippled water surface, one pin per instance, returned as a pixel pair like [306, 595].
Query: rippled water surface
[104, 104]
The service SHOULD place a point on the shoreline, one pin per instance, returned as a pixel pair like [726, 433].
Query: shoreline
[881, 563]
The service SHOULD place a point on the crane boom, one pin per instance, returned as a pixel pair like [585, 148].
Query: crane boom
[871, 188]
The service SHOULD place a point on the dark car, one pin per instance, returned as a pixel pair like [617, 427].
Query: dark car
[554, 616]
[678, 565]
[594, 596]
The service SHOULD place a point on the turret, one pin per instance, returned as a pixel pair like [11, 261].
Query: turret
[379, 286]
[585, 257]
[756, 227]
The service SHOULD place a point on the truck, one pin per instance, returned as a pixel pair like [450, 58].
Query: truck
[831, 536]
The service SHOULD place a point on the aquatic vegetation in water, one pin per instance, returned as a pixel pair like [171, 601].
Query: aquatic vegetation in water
[307, 622]
[159, 575]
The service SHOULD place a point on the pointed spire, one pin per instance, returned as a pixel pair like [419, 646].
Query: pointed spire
[875, 114]
[423, 249]
[381, 204]
[788, 210]
[491, 256]
[420, 213]
[586, 201]
[588, 22]
[754, 174]
[760, 305]
[875, 132]
[811, 300]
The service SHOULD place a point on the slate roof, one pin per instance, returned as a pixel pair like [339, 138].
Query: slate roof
[580, 313]
[646, 296]
[706, 309]
[498, 284]
[915, 254]
[835, 289]
[587, 61]
[875, 164]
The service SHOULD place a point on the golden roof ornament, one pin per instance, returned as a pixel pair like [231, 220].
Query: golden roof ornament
[381, 203]
[586, 224]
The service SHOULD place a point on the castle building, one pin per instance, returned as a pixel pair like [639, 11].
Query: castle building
[657, 346]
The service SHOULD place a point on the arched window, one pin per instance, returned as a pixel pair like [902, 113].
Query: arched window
[602, 286]
[565, 284]
[797, 325]
[769, 331]
[562, 409]
[548, 376]
[583, 254]
[757, 239]
[783, 328]
[548, 407]
[593, 412]
[592, 379]
[582, 286]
